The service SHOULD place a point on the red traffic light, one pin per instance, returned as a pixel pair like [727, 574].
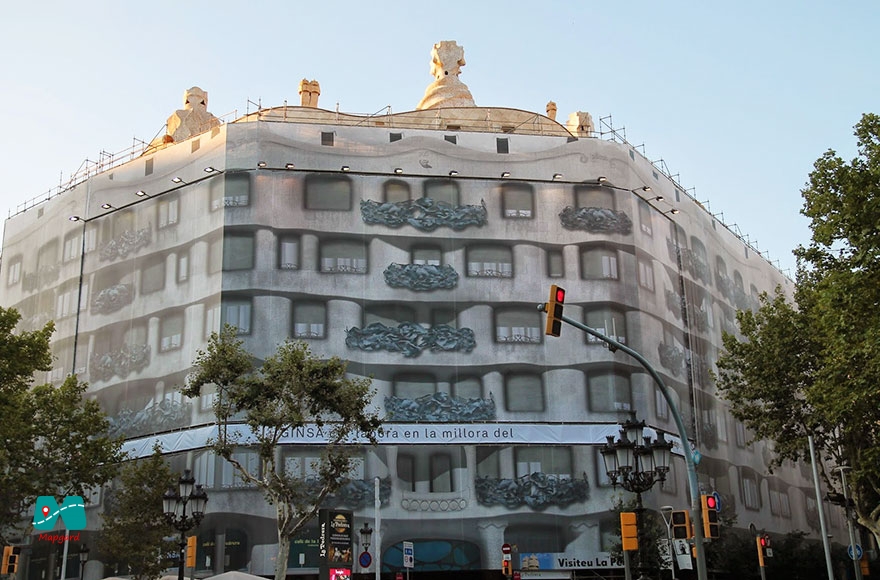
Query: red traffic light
[711, 502]
[765, 541]
[560, 294]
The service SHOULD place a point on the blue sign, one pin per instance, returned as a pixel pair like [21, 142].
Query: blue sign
[858, 553]
[717, 497]
[365, 559]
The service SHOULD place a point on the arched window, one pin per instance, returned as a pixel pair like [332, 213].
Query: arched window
[328, 192]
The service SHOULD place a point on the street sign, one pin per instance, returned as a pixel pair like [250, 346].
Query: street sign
[505, 557]
[717, 497]
[858, 553]
[365, 559]
[409, 559]
[505, 548]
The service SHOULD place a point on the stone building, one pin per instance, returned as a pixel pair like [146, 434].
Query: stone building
[415, 245]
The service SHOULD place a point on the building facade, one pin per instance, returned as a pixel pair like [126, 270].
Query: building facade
[417, 247]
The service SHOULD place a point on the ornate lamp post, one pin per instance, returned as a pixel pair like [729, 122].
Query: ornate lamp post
[83, 558]
[636, 463]
[366, 534]
[175, 502]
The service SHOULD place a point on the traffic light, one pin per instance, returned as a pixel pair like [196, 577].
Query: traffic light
[505, 567]
[554, 310]
[764, 550]
[629, 531]
[681, 525]
[10, 559]
[711, 529]
[191, 552]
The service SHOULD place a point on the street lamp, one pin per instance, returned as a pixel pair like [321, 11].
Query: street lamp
[636, 463]
[174, 504]
[366, 533]
[83, 558]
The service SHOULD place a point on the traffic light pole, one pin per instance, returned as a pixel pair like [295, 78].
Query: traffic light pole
[696, 505]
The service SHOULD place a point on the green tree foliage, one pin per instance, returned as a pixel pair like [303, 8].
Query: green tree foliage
[291, 389]
[814, 368]
[54, 440]
[133, 540]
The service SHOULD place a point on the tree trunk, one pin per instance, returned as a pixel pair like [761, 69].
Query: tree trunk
[281, 558]
[281, 511]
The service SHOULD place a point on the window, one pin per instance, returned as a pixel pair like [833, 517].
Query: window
[594, 196]
[660, 404]
[72, 243]
[153, 275]
[91, 238]
[328, 192]
[183, 266]
[670, 484]
[646, 215]
[237, 313]
[523, 392]
[441, 472]
[48, 255]
[451, 138]
[302, 464]
[517, 200]
[148, 167]
[234, 190]
[395, 191]
[204, 466]
[14, 271]
[248, 459]
[780, 505]
[413, 386]
[518, 325]
[171, 332]
[406, 471]
[238, 252]
[598, 264]
[288, 252]
[442, 190]
[468, 388]
[388, 314]
[751, 495]
[609, 392]
[490, 261]
[392, 137]
[555, 264]
[309, 319]
[502, 145]
[344, 256]
[168, 208]
[65, 302]
[609, 322]
[327, 138]
[489, 462]
[445, 316]
[741, 436]
[553, 461]
[430, 255]
[646, 274]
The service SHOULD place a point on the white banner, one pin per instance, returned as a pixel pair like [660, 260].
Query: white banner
[401, 434]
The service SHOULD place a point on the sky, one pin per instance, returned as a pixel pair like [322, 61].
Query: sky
[735, 99]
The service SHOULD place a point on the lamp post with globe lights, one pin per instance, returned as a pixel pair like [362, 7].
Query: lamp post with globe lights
[636, 463]
[175, 502]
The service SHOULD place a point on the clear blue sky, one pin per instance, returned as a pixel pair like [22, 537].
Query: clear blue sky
[738, 98]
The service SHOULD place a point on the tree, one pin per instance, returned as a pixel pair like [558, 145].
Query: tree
[813, 368]
[134, 537]
[290, 390]
[55, 440]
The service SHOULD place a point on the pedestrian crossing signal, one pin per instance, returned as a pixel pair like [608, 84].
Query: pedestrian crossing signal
[629, 532]
[505, 567]
[10, 559]
[681, 525]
